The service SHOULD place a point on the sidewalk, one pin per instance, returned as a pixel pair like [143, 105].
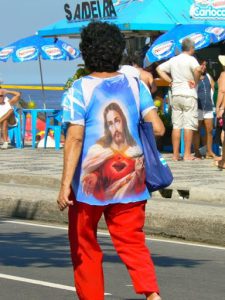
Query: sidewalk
[193, 208]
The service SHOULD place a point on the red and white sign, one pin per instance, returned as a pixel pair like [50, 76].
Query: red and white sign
[27, 52]
[195, 37]
[4, 53]
[52, 51]
[163, 48]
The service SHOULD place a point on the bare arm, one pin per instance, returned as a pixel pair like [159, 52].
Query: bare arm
[164, 75]
[157, 123]
[153, 87]
[212, 82]
[197, 74]
[151, 83]
[220, 105]
[15, 98]
[72, 151]
[149, 80]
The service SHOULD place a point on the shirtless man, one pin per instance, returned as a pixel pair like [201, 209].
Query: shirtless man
[220, 107]
[7, 117]
[146, 77]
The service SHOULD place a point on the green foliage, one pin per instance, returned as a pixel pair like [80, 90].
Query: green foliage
[79, 73]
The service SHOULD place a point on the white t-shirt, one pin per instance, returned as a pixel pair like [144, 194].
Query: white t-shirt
[130, 71]
[5, 107]
[181, 68]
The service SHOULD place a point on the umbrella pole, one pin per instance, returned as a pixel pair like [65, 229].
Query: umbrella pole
[42, 83]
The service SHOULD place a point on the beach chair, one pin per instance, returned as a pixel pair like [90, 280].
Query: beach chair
[54, 123]
[14, 132]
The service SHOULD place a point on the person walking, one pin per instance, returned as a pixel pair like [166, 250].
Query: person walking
[182, 72]
[7, 117]
[103, 171]
[220, 108]
[205, 112]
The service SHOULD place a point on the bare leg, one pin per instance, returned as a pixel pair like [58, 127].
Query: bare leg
[6, 116]
[188, 135]
[221, 163]
[217, 158]
[222, 136]
[12, 119]
[153, 296]
[5, 131]
[196, 140]
[4, 120]
[209, 138]
[176, 143]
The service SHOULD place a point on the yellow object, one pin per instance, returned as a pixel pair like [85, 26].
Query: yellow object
[41, 133]
[157, 103]
[31, 87]
[31, 104]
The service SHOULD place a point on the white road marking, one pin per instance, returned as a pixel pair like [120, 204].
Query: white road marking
[43, 283]
[108, 235]
[128, 285]
[36, 225]
[38, 282]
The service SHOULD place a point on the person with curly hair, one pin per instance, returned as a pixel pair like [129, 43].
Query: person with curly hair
[103, 171]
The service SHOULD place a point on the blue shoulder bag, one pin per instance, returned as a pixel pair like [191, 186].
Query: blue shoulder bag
[158, 173]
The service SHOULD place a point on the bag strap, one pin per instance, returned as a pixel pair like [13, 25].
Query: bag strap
[138, 108]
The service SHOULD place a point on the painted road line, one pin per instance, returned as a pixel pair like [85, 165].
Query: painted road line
[36, 225]
[42, 283]
[38, 282]
[108, 235]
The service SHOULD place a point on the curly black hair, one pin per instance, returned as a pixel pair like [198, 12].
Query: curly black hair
[102, 46]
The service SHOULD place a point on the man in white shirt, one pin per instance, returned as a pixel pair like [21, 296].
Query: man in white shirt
[182, 72]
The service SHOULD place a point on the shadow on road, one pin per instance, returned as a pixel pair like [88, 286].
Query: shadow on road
[25, 249]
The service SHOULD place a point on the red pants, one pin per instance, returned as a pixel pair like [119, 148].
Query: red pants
[125, 223]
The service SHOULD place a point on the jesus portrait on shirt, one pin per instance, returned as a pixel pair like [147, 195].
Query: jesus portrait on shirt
[114, 166]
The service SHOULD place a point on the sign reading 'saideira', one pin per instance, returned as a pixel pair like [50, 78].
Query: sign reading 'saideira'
[88, 10]
[208, 9]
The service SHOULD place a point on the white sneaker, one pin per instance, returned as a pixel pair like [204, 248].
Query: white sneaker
[4, 145]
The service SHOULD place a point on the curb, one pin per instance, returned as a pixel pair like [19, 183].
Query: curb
[32, 180]
[192, 194]
[164, 218]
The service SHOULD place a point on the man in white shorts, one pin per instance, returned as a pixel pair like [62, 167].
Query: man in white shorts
[7, 117]
[182, 72]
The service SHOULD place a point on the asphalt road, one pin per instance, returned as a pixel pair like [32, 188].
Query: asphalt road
[35, 265]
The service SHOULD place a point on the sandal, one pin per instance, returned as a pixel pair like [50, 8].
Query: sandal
[192, 158]
[221, 164]
[210, 156]
[177, 158]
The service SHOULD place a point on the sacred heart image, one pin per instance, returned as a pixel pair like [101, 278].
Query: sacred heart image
[114, 165]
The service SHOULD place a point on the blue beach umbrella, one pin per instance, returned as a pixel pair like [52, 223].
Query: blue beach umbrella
[169, 44]
[35, 48]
